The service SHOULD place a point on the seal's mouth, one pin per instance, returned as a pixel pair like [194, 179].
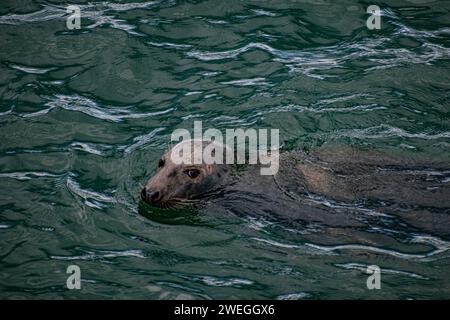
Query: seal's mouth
[169, 204]
[156, 200]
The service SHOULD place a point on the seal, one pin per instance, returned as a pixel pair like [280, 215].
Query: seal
[332, 187]
[338, 173]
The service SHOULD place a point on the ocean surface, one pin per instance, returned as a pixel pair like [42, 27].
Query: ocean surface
[86, 113]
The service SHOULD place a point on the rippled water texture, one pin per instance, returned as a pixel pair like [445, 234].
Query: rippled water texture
[86, 114]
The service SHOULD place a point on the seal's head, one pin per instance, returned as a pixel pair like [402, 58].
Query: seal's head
[180, 179]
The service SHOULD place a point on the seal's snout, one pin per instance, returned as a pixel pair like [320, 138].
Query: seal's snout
[150, 196]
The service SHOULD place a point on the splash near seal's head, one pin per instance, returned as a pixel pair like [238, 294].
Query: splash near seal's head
[186, 173]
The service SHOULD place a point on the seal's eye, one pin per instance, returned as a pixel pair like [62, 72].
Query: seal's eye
[161, 163]
[192, 173]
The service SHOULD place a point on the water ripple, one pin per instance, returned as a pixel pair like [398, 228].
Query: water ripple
[218, 281]
[96, 149]
[441, 246]
[30, 70]
[293, 296]
[320, 109]
[140, 141]
[248, 82]
[102, 254]
[28, 175]
[311, 62]
[386, 131]
[363, 268]
[102, 13]
[91, 108]
[92, 199]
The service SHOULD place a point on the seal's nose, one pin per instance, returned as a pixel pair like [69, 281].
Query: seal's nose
[150, 196]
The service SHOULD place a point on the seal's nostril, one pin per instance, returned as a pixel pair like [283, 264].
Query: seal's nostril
[143, 194]
[154, 197]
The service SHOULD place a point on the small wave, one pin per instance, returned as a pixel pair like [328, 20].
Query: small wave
[248, 82]
[293, 296]
[28, 175]
[5, 113]
[91, 198]
[278, 244]
[103, 254]
[402, 29]
[190, 93]
[218, 282]
[97, 149]
[229, 54]
[427, 241]
[91, 108]
[258, 224]
[363, 268]
[306, 61]
[386, 131]
[47, 13]
[235, 121]
[102, 13]
[344, 98]
[92, 148]
[299, 108]
[388, 58]
[261, 12]
[31, 70]
[213, 21]
[313, 62]
[129, 6]
[35, 114]
[142, 140]
[207, 96]
[169, 45]
[346, 206]
[303, 61]
[439, 245]
[257, 13]
[210, 73]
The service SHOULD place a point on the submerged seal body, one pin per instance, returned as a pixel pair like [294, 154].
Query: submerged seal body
[342, 174]
[330, 186]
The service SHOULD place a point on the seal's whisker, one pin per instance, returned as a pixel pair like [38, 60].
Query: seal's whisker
[185, 200]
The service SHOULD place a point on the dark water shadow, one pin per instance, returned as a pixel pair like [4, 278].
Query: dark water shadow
[180, 216]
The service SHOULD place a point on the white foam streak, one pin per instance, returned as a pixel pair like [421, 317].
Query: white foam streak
[441, 246]
[91, 198]
[101, 13]
[91, 255]
[91, 108]
[23, 176]
[363, 268]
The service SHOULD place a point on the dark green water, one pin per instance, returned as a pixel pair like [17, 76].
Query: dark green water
[85, 115]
